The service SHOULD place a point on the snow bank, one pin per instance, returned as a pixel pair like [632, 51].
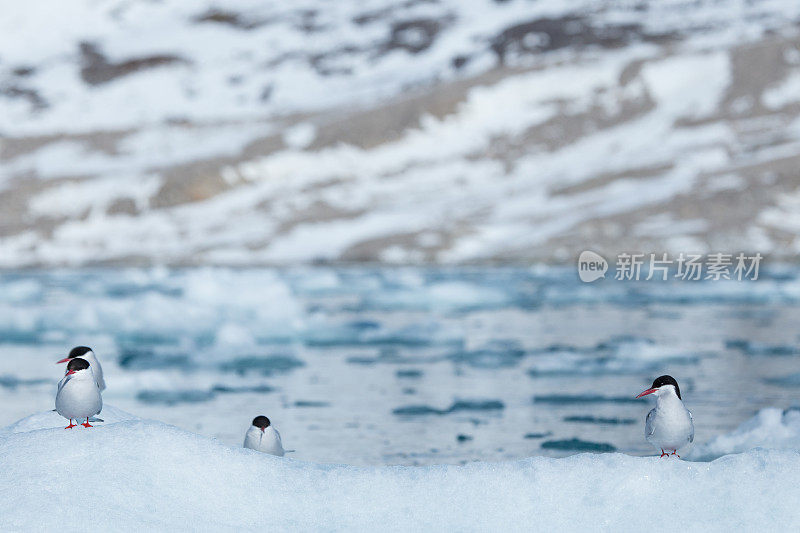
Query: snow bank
[53, 420]
[144, 474]
[771, 428]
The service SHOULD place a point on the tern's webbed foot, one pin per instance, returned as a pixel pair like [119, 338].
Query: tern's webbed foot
[664, 454]
[71, 425]
[675, 453]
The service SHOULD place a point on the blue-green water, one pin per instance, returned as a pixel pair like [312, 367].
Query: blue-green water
[406, 365]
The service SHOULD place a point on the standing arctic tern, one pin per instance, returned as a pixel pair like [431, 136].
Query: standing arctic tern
[263, 437]
[78, 396]
[670, 425]
[84, 352]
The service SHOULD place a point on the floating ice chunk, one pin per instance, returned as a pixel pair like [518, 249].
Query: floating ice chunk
[234, 335]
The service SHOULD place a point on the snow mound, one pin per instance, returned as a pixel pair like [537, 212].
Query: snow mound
[147, 475]
[770, 428]
[53, 420]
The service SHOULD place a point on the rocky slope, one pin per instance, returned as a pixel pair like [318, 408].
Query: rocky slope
[422, 131]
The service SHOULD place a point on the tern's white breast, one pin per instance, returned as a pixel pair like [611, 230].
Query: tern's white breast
[669, 425]
[78, 396]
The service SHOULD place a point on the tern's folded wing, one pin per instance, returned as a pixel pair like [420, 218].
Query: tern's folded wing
[649, 427]
[63, 382]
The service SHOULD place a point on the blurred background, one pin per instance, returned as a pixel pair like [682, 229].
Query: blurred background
[361, 218]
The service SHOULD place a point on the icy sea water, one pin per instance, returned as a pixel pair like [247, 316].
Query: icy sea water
[406, 365]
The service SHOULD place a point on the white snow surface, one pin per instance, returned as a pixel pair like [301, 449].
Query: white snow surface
[131, 474]
[771, 427]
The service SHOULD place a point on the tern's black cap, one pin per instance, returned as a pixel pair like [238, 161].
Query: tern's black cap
[667, 380]
[261, 422]
[78, 351]
[78, 364]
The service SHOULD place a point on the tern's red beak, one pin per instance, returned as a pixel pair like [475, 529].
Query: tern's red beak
[70, 372]
[63, 360]
[648, 391]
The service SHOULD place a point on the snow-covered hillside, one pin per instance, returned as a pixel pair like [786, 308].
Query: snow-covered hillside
[135, 474]
[246, 132]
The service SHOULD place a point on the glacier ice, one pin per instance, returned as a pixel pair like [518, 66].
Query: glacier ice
[131, 473]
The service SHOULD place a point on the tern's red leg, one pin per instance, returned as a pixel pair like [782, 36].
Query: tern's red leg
[87, 424]
[675, 453]
[663, 453]
[71, 425]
